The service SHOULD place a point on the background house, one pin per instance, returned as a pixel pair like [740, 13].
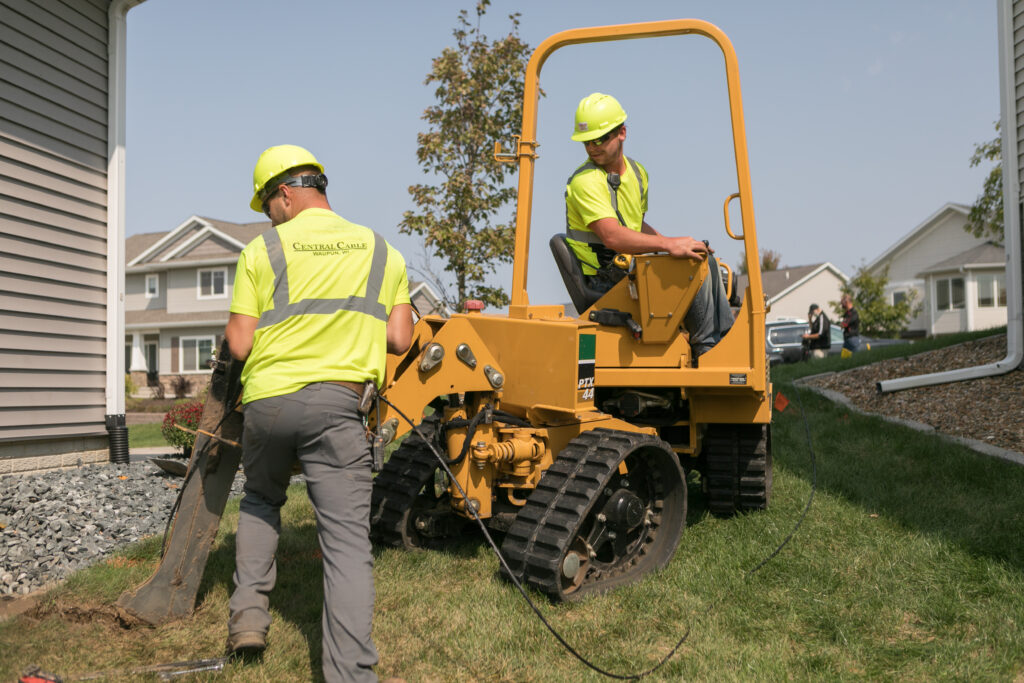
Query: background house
[959, 279]
[791, 290]
[178, 288]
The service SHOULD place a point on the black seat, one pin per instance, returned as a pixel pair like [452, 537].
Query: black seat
[583, 297]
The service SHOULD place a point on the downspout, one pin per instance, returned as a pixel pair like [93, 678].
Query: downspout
[1011, 229]
[116, 112]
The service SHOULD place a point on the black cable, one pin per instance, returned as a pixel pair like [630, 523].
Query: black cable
[508, 570]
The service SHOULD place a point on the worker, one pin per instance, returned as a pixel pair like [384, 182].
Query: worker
[318, 302]
[606, 201]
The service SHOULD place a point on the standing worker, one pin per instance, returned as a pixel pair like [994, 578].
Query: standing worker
[818, 338]
[605, 204]
[850, 324]
[318, 302]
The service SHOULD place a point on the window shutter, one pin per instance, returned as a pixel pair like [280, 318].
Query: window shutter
[174, 355]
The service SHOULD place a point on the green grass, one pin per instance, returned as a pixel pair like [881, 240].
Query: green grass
[908, 566]
[144, 435]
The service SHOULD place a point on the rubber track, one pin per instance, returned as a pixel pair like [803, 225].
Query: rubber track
[738, 468]
[410, 467]
[543, 529]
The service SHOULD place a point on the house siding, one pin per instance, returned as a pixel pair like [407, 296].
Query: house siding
[1018, 80]
[53, 224]
[822, 289]
[183, 291]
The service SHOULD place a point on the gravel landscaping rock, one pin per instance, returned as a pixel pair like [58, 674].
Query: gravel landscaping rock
[56, 522]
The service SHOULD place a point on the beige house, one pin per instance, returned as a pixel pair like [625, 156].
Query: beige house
[792, 290]
[178, 288]
[959, 279]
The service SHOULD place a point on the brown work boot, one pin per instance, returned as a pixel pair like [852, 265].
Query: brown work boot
[246, 644]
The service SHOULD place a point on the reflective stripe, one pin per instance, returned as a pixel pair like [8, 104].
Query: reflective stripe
[284, 309]
[588, 236]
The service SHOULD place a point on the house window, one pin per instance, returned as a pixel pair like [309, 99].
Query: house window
[152, 286]
[898, 298]
[213, 283]
[949, 294]
[194, 352]
[991, 290]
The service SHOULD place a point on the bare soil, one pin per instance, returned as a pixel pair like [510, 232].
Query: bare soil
[990, 409]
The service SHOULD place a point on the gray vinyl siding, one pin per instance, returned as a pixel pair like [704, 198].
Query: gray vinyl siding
[53, 218]
[1018, 81]
[183, 291]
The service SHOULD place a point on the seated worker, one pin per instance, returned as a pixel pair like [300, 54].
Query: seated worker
[605, 204]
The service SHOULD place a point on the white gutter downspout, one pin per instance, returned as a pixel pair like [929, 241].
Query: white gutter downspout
[116, 113]
[1011, 228]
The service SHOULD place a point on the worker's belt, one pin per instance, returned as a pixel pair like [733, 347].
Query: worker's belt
[356, 387]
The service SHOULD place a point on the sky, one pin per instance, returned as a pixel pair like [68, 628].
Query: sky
[861, 117]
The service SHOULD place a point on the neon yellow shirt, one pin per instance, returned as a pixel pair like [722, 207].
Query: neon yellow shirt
[326, 319]
[588, 198]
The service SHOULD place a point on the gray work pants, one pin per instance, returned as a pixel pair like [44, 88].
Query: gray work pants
[320, 426]
[709, 317]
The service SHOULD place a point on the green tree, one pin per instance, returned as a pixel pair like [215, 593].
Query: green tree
[479, 97]
[986, 214]
[770, 260]
[878, 318]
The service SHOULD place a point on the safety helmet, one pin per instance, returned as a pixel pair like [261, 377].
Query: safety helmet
[597, 114]
[272, 163]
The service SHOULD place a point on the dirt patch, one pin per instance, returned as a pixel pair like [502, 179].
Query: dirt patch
[990, 409]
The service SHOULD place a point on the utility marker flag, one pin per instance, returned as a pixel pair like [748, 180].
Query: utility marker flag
[780, 402]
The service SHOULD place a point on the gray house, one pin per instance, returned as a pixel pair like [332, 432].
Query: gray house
[61, 221]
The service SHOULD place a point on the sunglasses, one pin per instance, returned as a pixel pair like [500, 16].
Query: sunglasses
[603, 139]
[266, 200]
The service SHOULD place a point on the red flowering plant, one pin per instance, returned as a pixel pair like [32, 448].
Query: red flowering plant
[184, 413]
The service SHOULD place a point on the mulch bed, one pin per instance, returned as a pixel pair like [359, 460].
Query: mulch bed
[990, 409]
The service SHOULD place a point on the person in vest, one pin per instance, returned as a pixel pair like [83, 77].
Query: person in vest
[605, 204]
[318, 303]
[818, 338]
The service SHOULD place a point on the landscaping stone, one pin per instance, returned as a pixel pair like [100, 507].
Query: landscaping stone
[56, 522]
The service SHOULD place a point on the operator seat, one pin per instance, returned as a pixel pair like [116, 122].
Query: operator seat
[583, 297]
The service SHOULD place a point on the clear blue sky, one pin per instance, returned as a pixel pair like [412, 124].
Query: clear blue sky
[861, 117]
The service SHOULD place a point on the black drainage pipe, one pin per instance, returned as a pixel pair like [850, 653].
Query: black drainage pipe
[118, 439]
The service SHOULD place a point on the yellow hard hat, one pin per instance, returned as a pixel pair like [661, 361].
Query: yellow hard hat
[272, 163]
[597, 114]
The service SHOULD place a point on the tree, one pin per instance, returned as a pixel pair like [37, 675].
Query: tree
[878, 318]
[479, 100]
[986, 214]
[770, 260]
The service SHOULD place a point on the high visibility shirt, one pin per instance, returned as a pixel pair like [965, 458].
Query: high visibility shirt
[323, 289]
[589, 196]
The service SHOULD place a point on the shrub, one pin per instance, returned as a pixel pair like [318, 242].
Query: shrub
[180, 385]
[129, 386]
[187, 414]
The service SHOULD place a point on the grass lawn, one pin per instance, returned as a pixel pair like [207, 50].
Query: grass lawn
[147, 434]
[908, 566]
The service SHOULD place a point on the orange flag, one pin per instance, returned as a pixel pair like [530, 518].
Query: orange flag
[781, 402]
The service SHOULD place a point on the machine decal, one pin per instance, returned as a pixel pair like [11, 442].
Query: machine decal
[585, 372]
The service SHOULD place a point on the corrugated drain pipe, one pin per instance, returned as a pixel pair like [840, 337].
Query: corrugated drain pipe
[118, 435]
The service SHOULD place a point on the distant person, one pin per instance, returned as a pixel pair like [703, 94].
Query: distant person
[818, 338]
[605, 204]
[850, 324]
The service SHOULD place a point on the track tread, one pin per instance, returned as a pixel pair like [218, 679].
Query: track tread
[738, 468]
[410, 467]
[544, 529]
